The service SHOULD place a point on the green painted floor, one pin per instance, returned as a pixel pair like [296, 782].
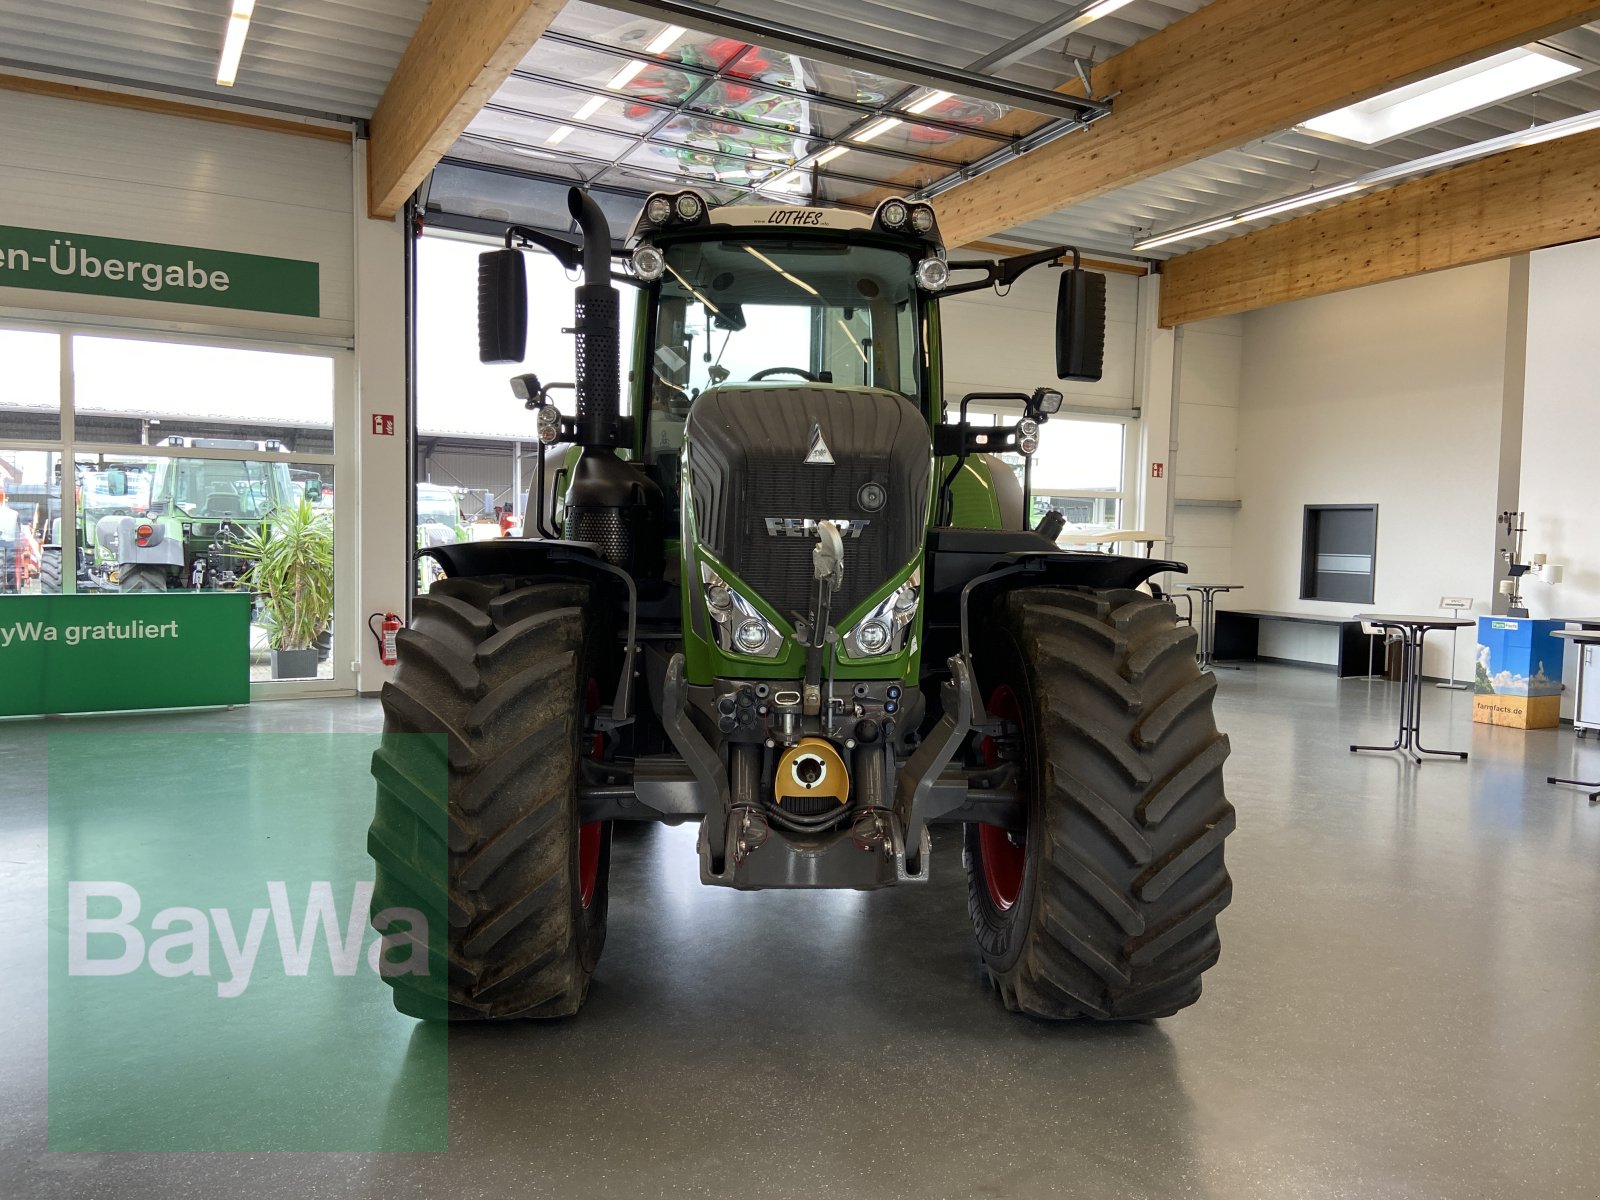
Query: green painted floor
[1408, 1005]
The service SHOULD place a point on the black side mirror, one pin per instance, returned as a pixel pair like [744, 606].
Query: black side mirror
[1081, 325]
[502, 307]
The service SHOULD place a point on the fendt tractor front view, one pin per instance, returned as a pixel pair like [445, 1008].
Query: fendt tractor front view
[785, 592]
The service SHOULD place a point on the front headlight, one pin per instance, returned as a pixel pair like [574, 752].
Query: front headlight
[883, 630]
[739, 626]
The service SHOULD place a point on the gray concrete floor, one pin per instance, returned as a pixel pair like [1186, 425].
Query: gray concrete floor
[1408, 1005]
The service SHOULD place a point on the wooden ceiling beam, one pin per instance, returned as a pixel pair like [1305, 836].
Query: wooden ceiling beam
[144, 102]
[460, 55]
[1511, 203]
[1235, 71]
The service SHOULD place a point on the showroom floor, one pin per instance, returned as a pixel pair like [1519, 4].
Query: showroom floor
[1408, 1005]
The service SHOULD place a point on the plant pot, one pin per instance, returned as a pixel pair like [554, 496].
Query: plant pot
[294, 664]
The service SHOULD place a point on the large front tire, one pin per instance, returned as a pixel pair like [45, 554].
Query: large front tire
[50, 571]
[1106, 908]
[503, 669]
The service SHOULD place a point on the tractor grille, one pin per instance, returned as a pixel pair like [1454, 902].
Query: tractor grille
[753, 488]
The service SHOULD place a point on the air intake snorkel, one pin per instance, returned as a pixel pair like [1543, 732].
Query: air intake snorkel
[598, 339]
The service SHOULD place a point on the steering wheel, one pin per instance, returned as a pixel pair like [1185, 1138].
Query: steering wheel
[770, 371]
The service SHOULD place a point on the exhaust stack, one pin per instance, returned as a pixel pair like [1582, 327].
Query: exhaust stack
[599, 348]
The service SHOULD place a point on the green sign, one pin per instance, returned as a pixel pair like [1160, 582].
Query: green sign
[105, 653]
[50, 261]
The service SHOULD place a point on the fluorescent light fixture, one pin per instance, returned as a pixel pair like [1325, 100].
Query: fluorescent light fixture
[233, 41]
[787, 179]
[560, 135]
[590, 106]
[1187, 232]
[927, 102]
[663, 40]
[1089, 16]
[876, 129]
[1301, 201]
[1441, 97]
[1103, 9]
[828, 155]
[626, 76]
[1582, 123]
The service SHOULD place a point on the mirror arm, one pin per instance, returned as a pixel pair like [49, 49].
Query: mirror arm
[566, 251]
[1005, 271]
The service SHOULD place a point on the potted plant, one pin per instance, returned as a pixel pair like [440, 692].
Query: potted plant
[291, 572]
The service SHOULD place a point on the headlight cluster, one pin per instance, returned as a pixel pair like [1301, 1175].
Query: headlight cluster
[673, 208]
[901, 216]
[740, 628]
[883, 630]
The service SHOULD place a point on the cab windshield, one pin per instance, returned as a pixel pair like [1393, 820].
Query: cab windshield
[779, 311]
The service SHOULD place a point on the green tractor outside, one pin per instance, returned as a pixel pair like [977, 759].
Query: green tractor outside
[783, 592]
[172, 523]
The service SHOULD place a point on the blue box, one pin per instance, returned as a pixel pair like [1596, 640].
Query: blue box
[1517, 681]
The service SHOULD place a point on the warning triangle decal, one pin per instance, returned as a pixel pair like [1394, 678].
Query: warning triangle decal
[818, 454]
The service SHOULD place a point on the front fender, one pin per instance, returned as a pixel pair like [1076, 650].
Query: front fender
[520, 556]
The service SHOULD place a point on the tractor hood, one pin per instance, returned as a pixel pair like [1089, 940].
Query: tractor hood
[767, 462]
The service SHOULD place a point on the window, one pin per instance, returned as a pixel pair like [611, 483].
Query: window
[200, 441]
[1338, 556]
[30, 385]
[1080, 469]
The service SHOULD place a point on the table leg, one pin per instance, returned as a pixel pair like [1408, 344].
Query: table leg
[1400, 742]
[1594, 797]
[1416, 724]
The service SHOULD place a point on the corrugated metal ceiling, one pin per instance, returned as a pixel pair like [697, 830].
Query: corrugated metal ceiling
[336, 56]
[957, 32]
[1292, 162]
[323, 56]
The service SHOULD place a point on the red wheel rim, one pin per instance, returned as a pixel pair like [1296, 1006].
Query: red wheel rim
[1004, 856]
[589, 834]
[588, 861]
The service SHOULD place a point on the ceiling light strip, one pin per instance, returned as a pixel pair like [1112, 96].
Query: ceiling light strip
[1566, 127]
[233, 41]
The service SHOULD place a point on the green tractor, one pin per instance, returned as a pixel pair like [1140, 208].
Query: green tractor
[183, 534]
[782, 593]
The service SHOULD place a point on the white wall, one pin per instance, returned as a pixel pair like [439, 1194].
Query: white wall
[1007, 343]
[1561, 426]
[1389, 395]
[1561, 431]
[1210, 362]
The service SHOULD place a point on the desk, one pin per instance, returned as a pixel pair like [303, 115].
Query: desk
[1208, 605]
[1236, 634]
[1413, 631]
[1584, 639]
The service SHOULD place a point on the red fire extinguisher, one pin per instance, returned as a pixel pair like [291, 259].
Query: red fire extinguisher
[385, 635]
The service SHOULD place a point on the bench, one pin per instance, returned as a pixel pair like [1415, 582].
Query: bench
[1238, 636]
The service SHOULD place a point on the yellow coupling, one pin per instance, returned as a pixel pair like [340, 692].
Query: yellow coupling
[811, 771]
